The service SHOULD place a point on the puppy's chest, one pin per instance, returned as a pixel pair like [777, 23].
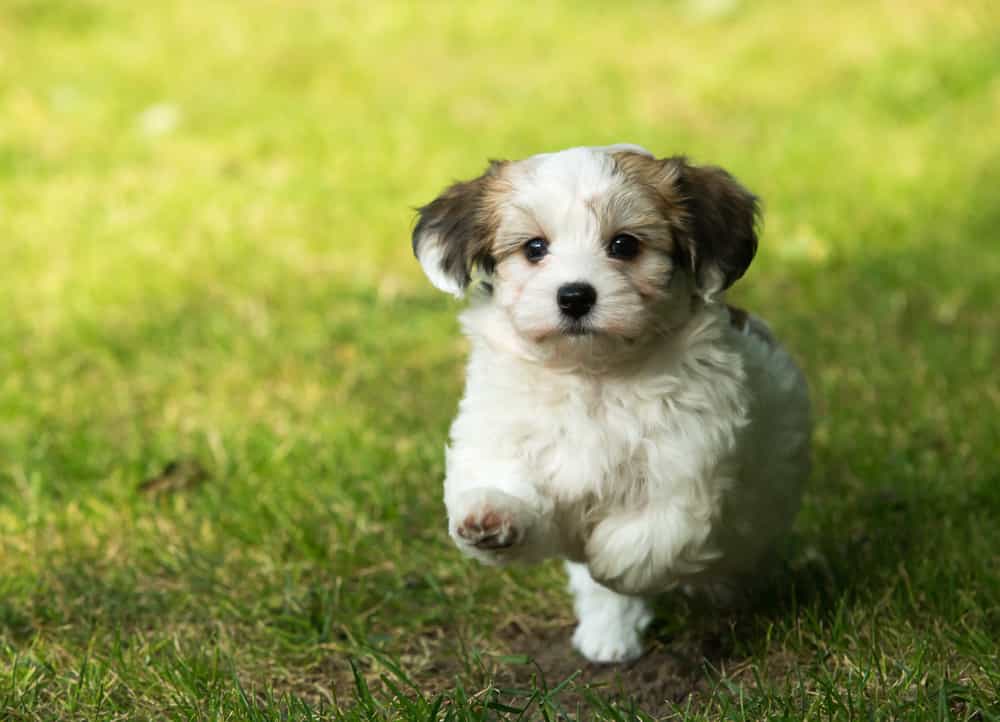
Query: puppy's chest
[593, 441]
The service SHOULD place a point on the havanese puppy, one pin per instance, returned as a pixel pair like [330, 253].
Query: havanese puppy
[617, 413]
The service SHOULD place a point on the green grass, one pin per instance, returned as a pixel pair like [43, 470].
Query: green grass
[204, 257]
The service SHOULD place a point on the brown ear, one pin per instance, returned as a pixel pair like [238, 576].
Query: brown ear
[455, 231]
[721, 228]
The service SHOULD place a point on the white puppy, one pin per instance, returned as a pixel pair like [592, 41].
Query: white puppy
[617, 413]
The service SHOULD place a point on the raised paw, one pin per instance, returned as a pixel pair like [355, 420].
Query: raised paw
[489, 528]
[495, 527]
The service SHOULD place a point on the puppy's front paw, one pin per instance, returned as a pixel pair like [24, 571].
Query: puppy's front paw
[491, 525]
[488, 528]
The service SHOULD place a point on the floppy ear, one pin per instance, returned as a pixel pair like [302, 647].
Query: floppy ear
[454, 232]
[721, 229]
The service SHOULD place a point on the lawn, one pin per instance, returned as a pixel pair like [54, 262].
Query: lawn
[225, 385]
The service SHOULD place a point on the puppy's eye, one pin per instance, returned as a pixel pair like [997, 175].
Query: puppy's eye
[536, 249]
[624, 247]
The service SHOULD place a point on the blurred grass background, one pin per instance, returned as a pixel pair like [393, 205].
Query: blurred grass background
[204, 259]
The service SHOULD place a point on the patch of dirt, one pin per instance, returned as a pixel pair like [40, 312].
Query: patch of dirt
[667, 672]
[523, 655]
[685, 661]
[526, 654]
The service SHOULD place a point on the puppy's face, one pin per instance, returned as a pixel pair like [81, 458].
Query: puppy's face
[590, 244]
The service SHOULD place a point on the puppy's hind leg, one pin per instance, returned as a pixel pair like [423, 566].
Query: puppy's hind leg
[610, 625]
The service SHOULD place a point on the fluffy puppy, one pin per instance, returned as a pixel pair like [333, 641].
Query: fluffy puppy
[617, 414]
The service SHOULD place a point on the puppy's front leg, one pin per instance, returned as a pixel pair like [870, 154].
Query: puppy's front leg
[495, 517]
[610, 625]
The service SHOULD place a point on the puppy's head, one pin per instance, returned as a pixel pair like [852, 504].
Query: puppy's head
[591, 243]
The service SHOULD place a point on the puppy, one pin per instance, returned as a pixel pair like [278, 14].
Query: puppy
[617, 414]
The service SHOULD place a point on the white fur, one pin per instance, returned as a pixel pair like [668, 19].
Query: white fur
[611, 624]
[665, 448]
[430, 261]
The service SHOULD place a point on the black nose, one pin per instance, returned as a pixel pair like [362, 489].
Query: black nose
[575, 299]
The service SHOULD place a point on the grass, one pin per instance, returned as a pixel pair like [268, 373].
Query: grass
[204, 219]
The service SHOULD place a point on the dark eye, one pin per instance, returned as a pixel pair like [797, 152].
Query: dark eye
[623, 246]
[536, 249]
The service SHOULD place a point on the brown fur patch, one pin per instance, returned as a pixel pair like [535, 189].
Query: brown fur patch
[639, 212]
[713, 217]
[462, 222]
[656, 181]
[723, 221]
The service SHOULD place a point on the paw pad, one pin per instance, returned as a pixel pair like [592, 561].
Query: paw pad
[488, 529]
